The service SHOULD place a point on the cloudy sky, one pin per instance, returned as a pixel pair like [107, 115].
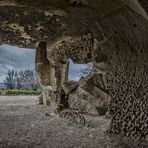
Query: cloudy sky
[19, 59]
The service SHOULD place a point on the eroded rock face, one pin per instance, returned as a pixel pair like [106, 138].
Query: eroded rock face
[92, 96]
[25, 26]
[108, 32]
[69, 86]
[84, 102]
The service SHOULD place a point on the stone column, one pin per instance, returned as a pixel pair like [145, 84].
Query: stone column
[42, 63]
[64, 72]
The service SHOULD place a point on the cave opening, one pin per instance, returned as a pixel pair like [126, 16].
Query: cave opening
[17, 69]
[76, 71]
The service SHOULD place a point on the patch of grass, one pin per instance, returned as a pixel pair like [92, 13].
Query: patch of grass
[16, 92]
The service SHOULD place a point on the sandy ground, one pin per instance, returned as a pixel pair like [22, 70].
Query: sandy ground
[23, 124]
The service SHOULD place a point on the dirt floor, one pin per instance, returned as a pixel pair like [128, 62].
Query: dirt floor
[24, 124]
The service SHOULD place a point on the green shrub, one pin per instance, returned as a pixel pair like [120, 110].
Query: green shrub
[20, 92]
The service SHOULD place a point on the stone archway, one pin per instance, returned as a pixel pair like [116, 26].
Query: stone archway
[112, 32]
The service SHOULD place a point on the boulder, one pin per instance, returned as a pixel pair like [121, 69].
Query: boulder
[84, 102]
[48, 96]
[69, 86]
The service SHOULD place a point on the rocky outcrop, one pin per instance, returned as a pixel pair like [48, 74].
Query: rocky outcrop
[83, 102]
[69, 86]
[113, 33]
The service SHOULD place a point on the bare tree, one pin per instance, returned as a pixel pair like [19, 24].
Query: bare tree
[27, 79]
[20, 80]
[10, 79]
[31, 79]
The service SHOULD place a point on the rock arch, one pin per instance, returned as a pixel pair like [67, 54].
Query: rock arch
[115, 35]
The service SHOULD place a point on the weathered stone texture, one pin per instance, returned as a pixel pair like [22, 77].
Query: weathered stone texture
[26, 27]
[84, 102]
[69, 86]
[48, 97]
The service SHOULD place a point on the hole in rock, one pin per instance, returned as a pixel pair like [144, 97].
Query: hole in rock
[17, 70]
[116, 32]
[135, 25]
[76, 71]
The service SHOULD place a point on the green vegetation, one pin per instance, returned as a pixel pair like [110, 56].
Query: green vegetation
[24, 79]
[16, 92]
[24, 82]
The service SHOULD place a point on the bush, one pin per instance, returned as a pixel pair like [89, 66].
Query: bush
[22, 80]
[20, 92]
